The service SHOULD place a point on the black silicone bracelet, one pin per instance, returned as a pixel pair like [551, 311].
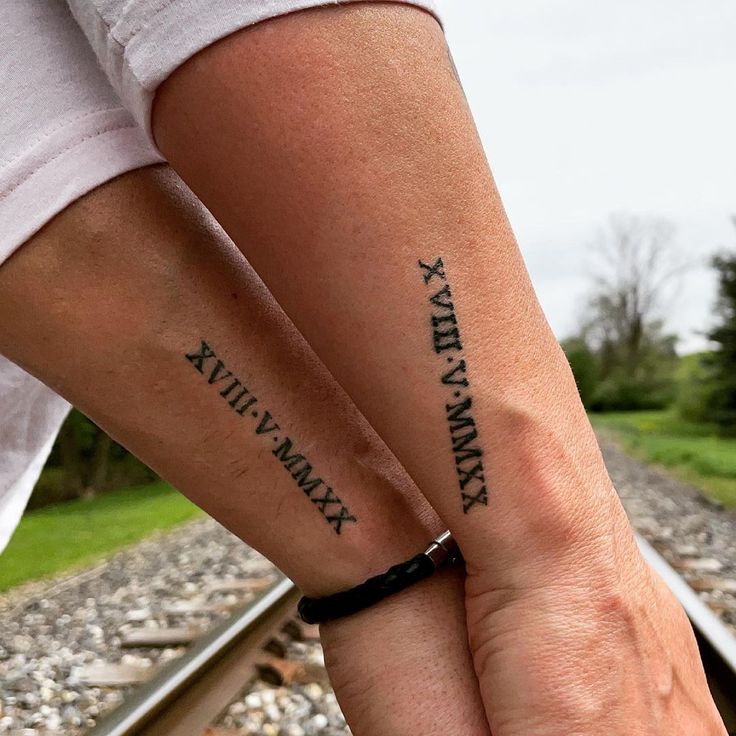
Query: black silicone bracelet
[394, 580]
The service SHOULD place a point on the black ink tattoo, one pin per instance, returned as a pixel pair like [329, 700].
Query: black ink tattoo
[446, 341]
[241, 400]
[197, 359]
[436, 269]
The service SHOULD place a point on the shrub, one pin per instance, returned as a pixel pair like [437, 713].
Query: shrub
[584, 367]
[695, 387]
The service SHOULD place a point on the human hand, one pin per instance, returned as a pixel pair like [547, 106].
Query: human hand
[571, 631]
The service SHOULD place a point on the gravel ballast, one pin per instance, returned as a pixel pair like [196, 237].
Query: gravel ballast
[61, 639]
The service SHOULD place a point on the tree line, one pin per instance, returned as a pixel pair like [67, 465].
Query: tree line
[84, 462]
[623, 358]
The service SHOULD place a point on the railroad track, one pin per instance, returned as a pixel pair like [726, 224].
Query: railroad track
[186, 696]
[76, 649]
[72, 650]
[717, 643]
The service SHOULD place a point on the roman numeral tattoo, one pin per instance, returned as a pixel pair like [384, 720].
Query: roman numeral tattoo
[240, 399]
[429, 272]
[467, 453]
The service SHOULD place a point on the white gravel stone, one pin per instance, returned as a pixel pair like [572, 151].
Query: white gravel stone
[49, 631]
[319, 722]
[253, 701]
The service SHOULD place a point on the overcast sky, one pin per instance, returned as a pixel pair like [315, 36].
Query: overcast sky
[587, 108]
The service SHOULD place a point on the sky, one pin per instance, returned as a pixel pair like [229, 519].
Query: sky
[591, 108]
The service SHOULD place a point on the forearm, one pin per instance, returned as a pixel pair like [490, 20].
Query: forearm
[365, 164]
[110, 305]
[169, 341]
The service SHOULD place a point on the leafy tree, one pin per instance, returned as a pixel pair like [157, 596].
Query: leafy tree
[623, 327]
[84, 462]
[584, 365]
[723, 358]
[695, 385]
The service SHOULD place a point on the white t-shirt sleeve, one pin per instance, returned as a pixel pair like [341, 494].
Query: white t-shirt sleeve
[31, 417]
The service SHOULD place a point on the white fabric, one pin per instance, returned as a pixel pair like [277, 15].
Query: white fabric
[140, 43]
[64, 130]
[31, 416]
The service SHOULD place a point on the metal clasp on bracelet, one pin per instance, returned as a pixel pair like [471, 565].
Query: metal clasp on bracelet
[443, 550]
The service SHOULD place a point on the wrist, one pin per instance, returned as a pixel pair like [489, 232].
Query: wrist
[549, 489]
[403, 665]
[389, 533]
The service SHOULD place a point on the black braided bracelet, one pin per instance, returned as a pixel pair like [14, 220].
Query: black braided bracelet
[443, 550]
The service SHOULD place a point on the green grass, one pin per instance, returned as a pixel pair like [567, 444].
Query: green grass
[77, 533]
[691, 452]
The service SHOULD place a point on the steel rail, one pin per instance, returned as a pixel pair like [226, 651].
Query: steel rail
[213, 671]
[702, 618]
[717, 644]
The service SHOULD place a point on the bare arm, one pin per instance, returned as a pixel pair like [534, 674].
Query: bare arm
[136, 307]
[336, 148]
